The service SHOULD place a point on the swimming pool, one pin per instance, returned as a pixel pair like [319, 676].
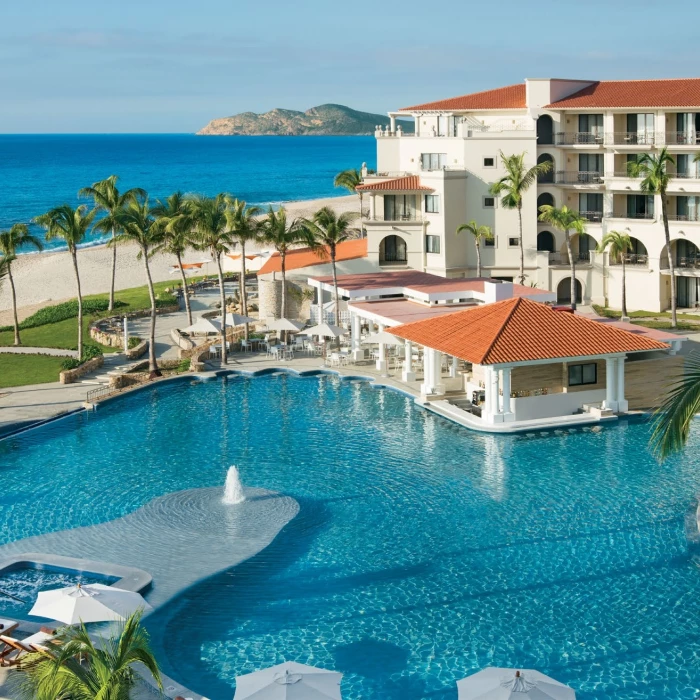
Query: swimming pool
[422, 551]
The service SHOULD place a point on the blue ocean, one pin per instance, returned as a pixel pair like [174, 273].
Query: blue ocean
[38, 172]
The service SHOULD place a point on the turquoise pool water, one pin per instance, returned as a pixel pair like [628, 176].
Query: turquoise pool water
[422, 551]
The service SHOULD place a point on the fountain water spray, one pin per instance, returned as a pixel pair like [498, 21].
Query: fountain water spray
[233, 490]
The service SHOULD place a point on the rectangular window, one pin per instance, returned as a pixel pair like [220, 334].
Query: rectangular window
[433, 161]
[513, 241]
[640, 206]
[432, 244]
[489, 202]
[400, 207]
[490, 242]
[489, 162]
[583, 374]
[432, 203]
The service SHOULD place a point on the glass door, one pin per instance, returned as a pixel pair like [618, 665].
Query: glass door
[590, 167]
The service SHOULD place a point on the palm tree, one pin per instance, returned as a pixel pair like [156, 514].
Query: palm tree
[244, 228]
[326, 230]
[350, 179]
[58, 674]
[109, 200]
[511, 188]
[653, 169]
[136, 224]
[620, 244]
[210, 221]
[70, 225]
[480, 233]
[283, 234]
[5, 262]
[175, 233]
[565, 220]
[17, 237]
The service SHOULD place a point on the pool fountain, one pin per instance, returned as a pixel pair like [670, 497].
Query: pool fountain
[233, 489]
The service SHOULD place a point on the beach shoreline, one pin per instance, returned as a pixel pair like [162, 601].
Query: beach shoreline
[46, 278]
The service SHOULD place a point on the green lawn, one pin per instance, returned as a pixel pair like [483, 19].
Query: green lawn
[612, 313]
[666, 325]
[16, 370]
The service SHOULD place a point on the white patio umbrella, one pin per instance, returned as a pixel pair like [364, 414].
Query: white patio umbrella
[284, 324]
[204, 325]
[384, 338]
[324, 330]
[236, 319]
[289, 681]
[509, 684]
[93, 602]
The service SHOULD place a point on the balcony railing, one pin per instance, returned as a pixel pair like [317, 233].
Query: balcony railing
[682, 138]
[633, 215]
[563, 138]
[631, 138]
[563, 258]
[686, 176]
[398, 216]
[593, 216]
[581, 177]
[622, 173]
[695, 216]
[632, 259]
[688, 261]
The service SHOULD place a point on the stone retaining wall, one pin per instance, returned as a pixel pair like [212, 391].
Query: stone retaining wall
[138, 350]
[69, 376]
[116, 340]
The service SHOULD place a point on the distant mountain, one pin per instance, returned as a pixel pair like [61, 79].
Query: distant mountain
[325, 120]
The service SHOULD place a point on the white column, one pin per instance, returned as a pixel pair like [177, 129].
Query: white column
[319, 303]
[372, 206]
[392, 119]
[427, 386]
[610, 384]
[381, 362]
[508, 414]
[453, 367]
[126, 334]
[357, 352]
[491, 412]
[438, 386]
[408, 375]
[622, 404]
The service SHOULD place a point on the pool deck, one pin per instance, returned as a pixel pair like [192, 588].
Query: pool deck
[29, 406]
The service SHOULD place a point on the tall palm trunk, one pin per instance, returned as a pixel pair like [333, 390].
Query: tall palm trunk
[572, 269]
[671, 266]
[478, 257]
[283, 265]
[522, 249]
[241, 281]
[335, 288]
[74, 257]
[185, 289]
[362, 228]
[114, 273]
[624, 286]
[224, 353]
[14, 304]
[152, 364]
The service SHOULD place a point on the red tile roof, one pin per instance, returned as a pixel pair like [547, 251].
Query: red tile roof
[510, 97]
[521, 330]
[683, 92]
[305, 257]
[402, 184]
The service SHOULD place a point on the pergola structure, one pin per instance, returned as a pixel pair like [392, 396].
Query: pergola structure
[517, 343]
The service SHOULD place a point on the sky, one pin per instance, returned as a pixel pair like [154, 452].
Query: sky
[72, 66]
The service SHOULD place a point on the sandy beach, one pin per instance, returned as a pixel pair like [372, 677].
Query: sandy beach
[48, 278]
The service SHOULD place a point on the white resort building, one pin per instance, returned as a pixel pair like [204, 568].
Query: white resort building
[430, 182]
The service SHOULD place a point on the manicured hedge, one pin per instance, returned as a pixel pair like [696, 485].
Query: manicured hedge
[61, 312]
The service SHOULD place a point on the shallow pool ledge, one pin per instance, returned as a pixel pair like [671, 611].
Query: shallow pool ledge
[179, 539]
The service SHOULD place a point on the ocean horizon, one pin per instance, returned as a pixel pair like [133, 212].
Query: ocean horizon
[40, 171]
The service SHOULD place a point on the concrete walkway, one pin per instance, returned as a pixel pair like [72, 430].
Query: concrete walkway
[23, 350]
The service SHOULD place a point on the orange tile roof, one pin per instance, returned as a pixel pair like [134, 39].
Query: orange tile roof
[305, 257]
[683, 92]
[403, 184]
[521, 330]
[510, 97]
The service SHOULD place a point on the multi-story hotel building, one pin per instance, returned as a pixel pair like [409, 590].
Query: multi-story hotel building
[430, 182]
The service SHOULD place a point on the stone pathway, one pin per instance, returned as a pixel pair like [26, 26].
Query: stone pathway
[23, 350]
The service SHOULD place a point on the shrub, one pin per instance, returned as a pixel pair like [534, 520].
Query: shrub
[183, 365]
[61, 312]
[70, 363]
[134, 340]
[90, 351]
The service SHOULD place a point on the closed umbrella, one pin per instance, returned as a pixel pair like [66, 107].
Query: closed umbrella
[289, 681]
[236, 319]
[324, 330]
[509, 684]
[93, 602]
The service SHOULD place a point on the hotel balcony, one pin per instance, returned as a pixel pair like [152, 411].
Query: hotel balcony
[631, 138]
[637, 259]
[592, 216]
[578, 178]
[682, 138]
[637, 215]
[578, 138]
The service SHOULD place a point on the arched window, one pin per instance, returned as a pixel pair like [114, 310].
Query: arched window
[544, 198]
[392, 249]
[549, 176]
[545, 241]
[545, 130]
[564, 291]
